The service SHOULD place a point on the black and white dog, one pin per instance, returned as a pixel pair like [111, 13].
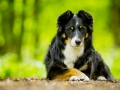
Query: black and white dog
[71, 55]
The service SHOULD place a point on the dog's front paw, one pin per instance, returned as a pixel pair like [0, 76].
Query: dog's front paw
[83, 77]
[74, 78]
[101, 78]
[80, 78]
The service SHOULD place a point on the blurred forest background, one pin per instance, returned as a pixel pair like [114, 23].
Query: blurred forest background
[27, 27]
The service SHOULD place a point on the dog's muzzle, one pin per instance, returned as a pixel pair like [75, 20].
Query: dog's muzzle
[75, 42]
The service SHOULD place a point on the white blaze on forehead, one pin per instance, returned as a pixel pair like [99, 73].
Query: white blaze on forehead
[76, 23]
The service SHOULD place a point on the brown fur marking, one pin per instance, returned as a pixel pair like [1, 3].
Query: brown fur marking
[66, 76]
[63, 35]
[67, 40]
[86, 35]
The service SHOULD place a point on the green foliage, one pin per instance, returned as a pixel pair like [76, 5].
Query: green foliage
[27, 27]
[12, 68]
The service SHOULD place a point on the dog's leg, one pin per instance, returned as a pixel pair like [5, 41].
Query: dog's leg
[102, 70]
[72, 74]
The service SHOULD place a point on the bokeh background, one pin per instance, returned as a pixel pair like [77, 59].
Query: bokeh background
[27, 27]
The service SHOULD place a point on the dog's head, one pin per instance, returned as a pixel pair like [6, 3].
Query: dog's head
[75, 28]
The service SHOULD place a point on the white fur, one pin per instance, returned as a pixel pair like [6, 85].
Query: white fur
[72, 53]
[76, 21]
[76, 78]
[101, 78]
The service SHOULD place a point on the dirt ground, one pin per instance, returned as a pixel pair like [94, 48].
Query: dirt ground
[42, 84]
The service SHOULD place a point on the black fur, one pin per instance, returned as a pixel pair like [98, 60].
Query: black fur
[54, 59]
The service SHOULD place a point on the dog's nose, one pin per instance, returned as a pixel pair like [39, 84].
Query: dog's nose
[78, 42]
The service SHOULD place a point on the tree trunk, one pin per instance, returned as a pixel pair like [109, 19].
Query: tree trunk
[115, 20]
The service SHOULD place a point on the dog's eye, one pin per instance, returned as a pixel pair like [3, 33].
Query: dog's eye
[71, 28]
[80, 27]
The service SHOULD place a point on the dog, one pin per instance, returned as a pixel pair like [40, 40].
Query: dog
[71, 55]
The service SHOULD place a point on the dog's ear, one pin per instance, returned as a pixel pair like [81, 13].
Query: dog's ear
[87, 18]
[64, 18]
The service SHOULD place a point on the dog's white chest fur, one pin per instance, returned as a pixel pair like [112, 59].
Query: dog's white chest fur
[71, 54]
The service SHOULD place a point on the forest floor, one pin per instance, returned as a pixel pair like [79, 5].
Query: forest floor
[42, 84]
